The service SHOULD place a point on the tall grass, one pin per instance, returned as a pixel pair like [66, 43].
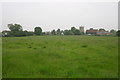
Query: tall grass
[0, 57]
[60, 57]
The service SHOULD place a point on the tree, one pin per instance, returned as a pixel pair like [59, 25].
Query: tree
[58, 32]
[15, 27]
[38, 30]
[0, 34]
[113, 32]
[77, 32]
[53, 32]
[67, 32]
[20, 33]
[43, 33]
[30, 33]
[15, 30]
[101, 29]
[26, 33]
[73, 29]
[118, 33]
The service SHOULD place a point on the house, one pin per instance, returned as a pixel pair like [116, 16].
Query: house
[91, 31]
[103, 32]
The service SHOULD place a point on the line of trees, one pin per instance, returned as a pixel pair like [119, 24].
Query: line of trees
[17, 30]
[72, 31]
[118, 33]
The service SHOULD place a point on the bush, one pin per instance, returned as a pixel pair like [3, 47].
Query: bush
[84, 46]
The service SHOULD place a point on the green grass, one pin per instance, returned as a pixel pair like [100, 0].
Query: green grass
[60, 57]
[0, 57]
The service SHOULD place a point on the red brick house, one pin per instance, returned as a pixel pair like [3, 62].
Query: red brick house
[91, 31]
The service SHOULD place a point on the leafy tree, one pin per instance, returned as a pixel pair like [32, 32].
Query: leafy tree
[77, 32]
[43, 33]
[15, 27]
[38, 30]
[101, 29]
[53, 32]
[73, 29]
[20, 33]
[58, 32]
[118, 33]
[113, 32]
[15, 30]
[30, 33]
[0, 34]
[67, 32]
[26, 33]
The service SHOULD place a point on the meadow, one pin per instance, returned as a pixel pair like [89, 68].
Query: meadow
[60, 57]
[0, 57]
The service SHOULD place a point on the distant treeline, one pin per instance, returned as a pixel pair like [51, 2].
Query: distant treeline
[17, 30]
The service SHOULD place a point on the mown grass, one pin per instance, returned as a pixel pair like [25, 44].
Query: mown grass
[60, 57]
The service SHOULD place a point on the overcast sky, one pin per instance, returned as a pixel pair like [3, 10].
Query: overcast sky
[0, 17]
[63, 15]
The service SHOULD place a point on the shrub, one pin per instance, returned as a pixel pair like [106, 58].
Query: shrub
[84, 46]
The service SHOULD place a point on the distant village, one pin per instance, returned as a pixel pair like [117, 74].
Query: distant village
[72, 31]
[91, 31]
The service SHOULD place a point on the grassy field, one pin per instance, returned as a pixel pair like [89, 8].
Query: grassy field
[0, 57]
[60, 57]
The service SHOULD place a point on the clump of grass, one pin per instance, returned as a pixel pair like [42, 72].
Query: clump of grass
[43, 72]
[86, 58]
[44, 46]
[10, 47]
[84, 46]
[29, 46]
[34, 48]
[4, 73]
